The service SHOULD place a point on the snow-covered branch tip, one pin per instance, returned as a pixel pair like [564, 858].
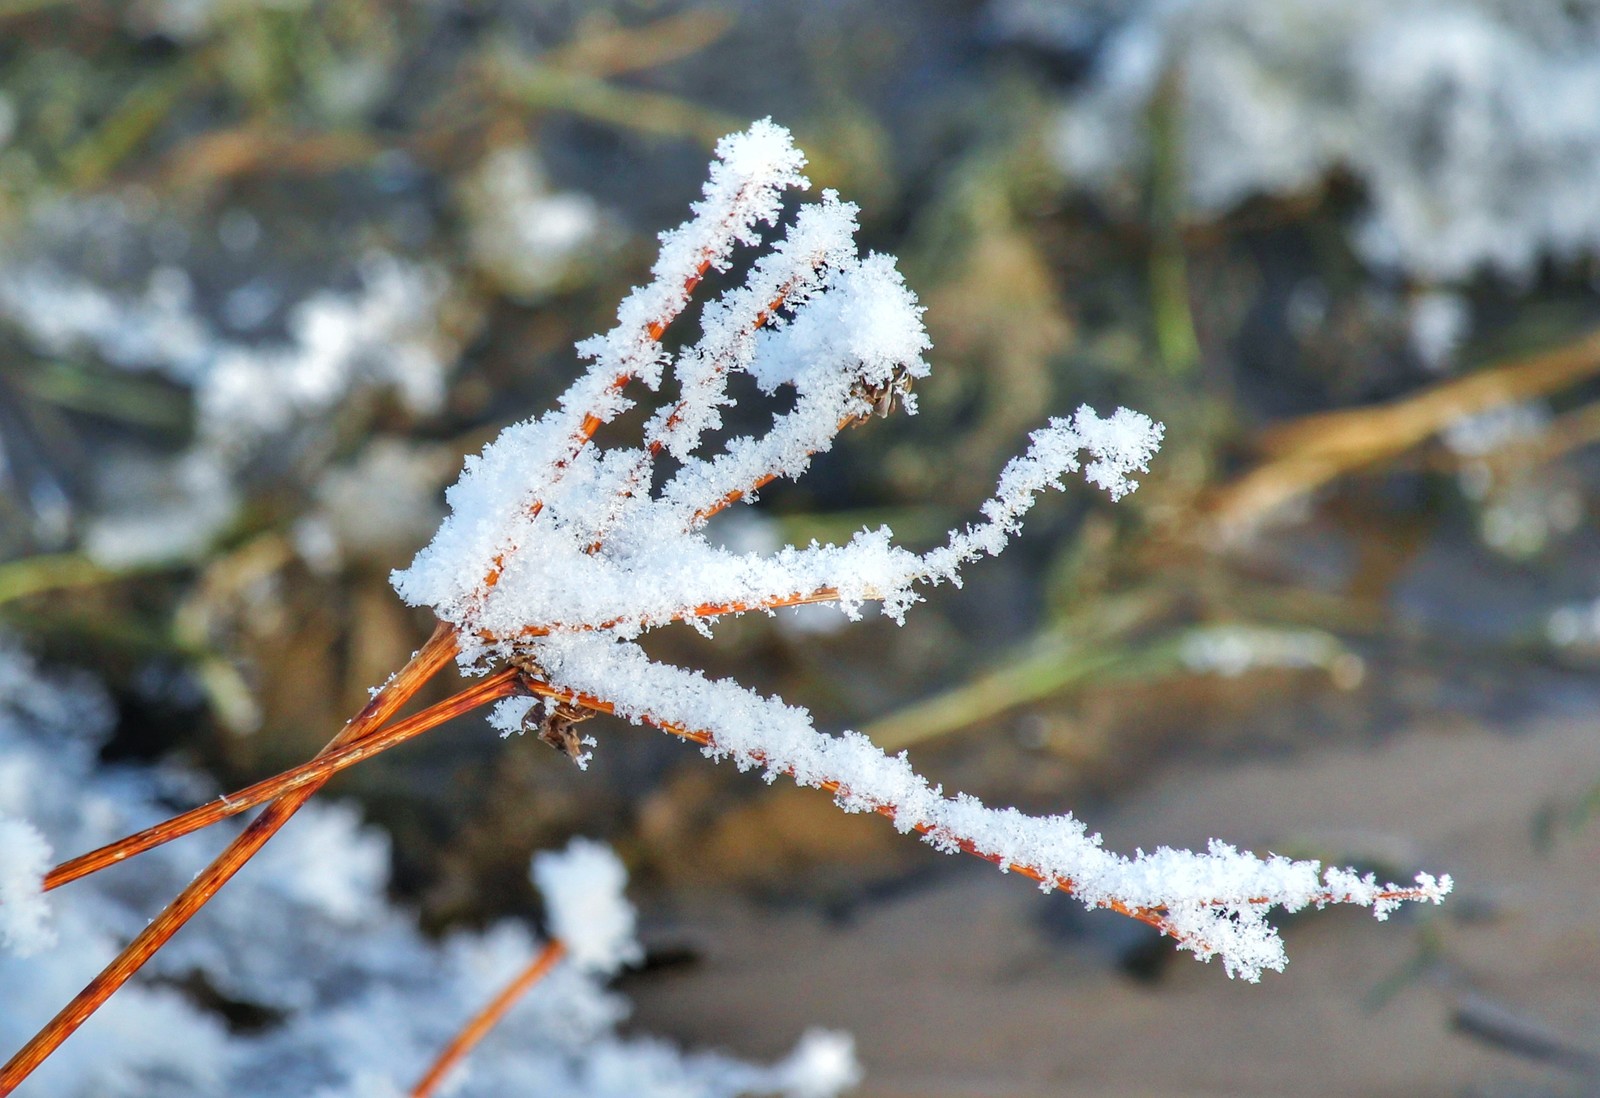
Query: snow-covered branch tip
[559, 551]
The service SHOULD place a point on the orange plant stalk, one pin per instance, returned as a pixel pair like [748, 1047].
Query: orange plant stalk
[314, 772]
[556, 555]
[747, 200]
[1152, 916]
[486, 1019]
[427, 662]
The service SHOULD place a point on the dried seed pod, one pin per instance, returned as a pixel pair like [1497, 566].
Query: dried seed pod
[882, 398]
[557, 726]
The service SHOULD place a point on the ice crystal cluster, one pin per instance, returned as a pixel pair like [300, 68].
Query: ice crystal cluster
[1469, 124]
[559, 551]
[355, 1000]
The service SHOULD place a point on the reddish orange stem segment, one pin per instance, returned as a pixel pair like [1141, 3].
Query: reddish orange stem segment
[1150, 916]
[488, 1018]
[318, 770]
[395, 693]
[591, 422]
[705, 739]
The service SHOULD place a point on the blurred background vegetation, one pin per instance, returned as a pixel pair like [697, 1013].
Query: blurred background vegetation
[269, 268]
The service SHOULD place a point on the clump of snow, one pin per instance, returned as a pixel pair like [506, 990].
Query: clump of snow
[1465, 121]
[1574, 625]
[582, 888]
[24, 915]
[1481, 434]
[381, 335]
[160, 511]
[509, 715]
[822, 1064]
[1521, 522]
[1520, 511]
[1438, 323]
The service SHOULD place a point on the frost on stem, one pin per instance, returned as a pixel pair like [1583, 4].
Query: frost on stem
[559, 552]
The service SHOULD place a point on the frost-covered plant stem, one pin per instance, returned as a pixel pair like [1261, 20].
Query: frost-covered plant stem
[1342, 887]
[560, 552]
[555, 558]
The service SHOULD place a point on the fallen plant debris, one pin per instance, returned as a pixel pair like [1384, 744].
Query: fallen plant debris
[561, 550]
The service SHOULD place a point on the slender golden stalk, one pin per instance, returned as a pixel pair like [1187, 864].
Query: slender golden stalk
[439, 650]
[317, 770]
[487, 1018]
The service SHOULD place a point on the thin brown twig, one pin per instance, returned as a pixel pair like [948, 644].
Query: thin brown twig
[317, 770]
[487, 1018]
[427, 662]
[702, 610]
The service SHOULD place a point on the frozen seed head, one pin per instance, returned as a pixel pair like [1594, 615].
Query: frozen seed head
[549, 531]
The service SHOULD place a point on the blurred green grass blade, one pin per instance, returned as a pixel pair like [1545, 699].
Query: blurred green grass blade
[139, 402]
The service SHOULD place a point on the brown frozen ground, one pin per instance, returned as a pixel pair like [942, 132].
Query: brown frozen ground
[957, 989]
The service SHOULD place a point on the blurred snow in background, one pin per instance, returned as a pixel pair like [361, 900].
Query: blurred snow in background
[300, 977]
[1468, 124]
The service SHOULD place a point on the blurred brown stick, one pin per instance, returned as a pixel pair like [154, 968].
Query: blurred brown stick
[1305, 454]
